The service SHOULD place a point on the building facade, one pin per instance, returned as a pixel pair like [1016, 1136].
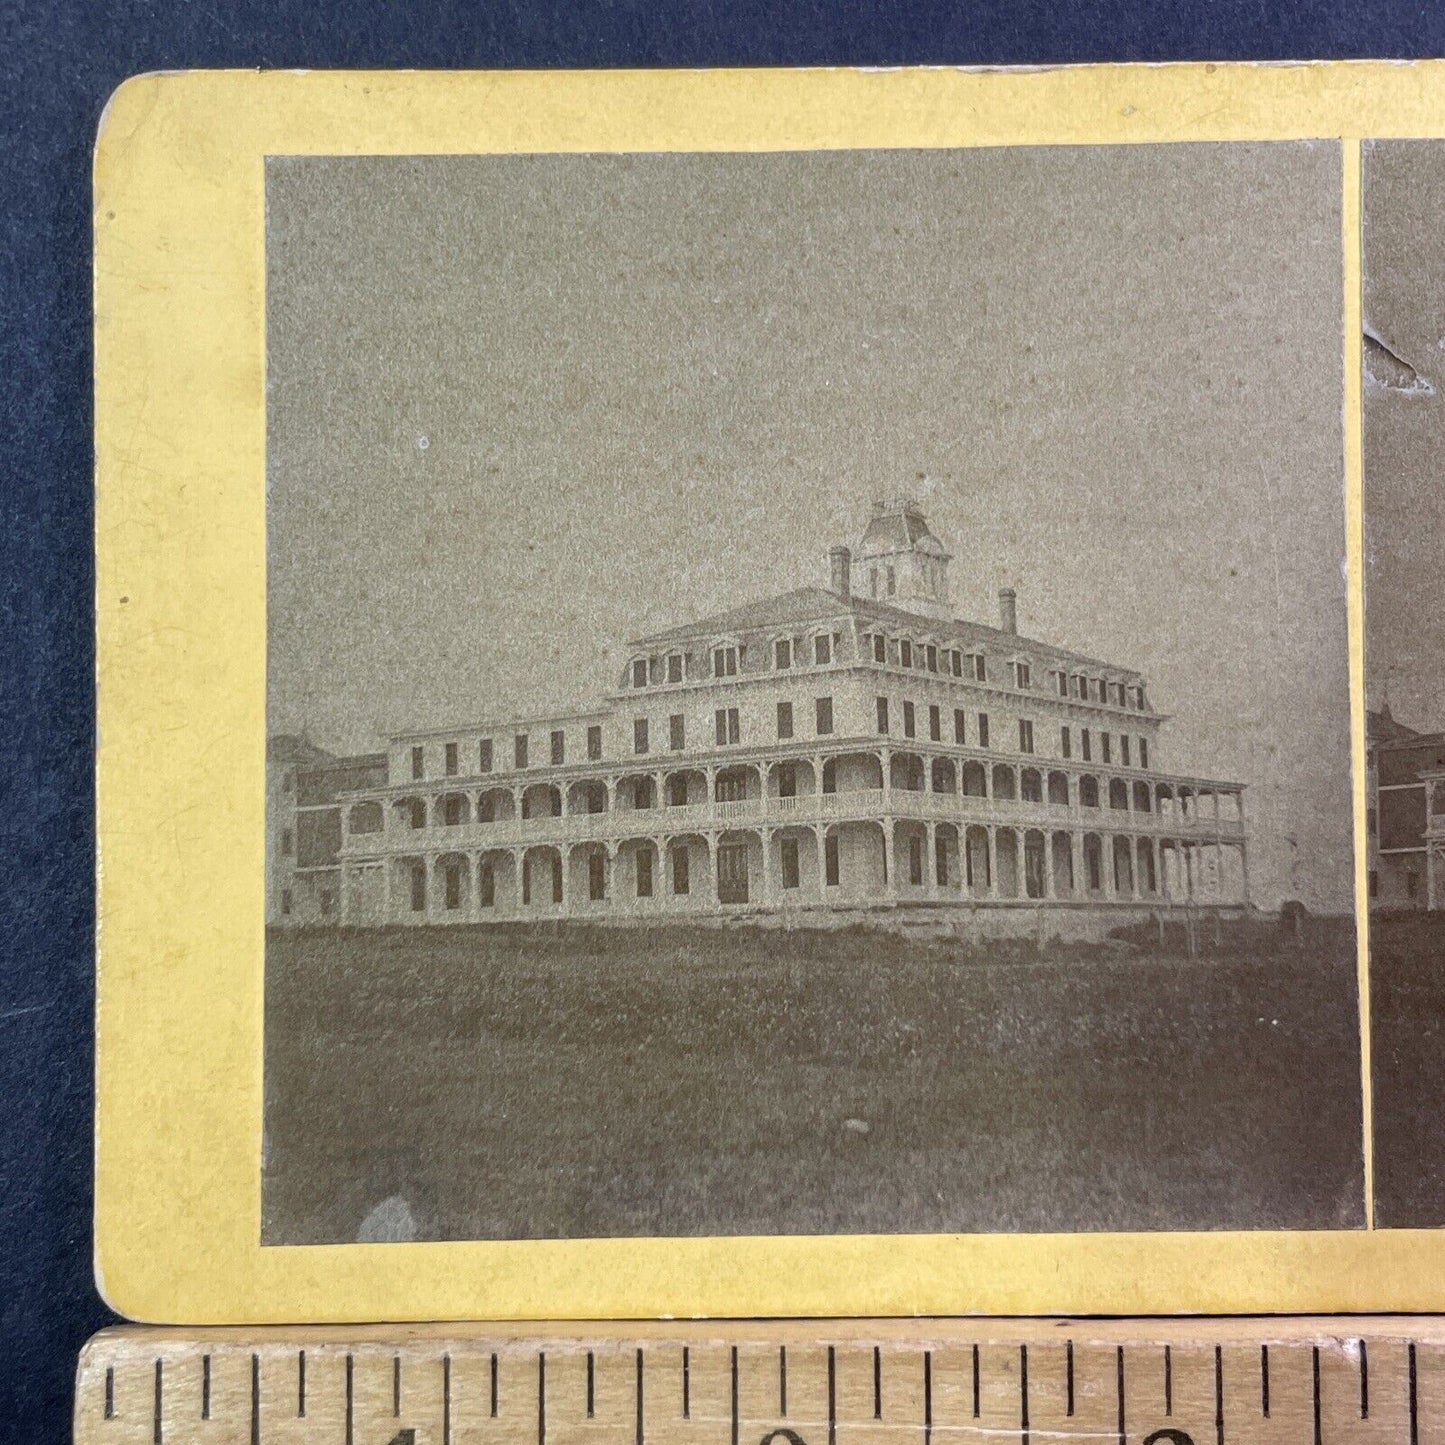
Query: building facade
[839, 748]
[1405, 792]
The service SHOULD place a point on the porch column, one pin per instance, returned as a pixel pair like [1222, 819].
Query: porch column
[930, 859]
[885, 759]
[1076, 864]
[429, 868]
[1050, 891]
[345, 899]
[767, 898]
[820, 836]
[474, 869]
[709, 881]
[1244, 871]
[1188, 874]
[991, 831]
[889, 862]
[562, 853]
[388, 867]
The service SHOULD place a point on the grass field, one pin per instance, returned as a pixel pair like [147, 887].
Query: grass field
[531, 1081]
[1407, 1028]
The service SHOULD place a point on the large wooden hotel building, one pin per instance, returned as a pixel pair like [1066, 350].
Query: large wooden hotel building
[841, 749]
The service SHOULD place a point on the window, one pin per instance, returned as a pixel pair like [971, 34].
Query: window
[1066, 742]
[418, 763]
[418, 887]
[680, 881]
[487, 884]
[1084, 744]
[519, 748]
[285, 900]
[905, 653]
[452, 811]
[559, 746]
[1118, 691]
[1062, 678]
[1023, 676]
[940, 859]
[892, 581]
[639, 672]
[1106, 748]
[594, 742]
[830, 860]
[288, 843]
[822, 650]
[452, 885]
[789, 850]
[785, 719]
[880, 647]
[596, 877]
[908, 719]
[935, 722]
[782, 654]
[882, 714]
[980, 668]
[676, 732]
[725, 662]
[484, 755]
[644, 872]
[726, 719]
[1124, 749]
[955, 662]
[674, 667]
[1026, 735]
[824, 709]
[915, 861]
[639, 735]
[983, 729]
[932, 656]
[960, 725]
[418, 813]
[1143, 752]
[328, 902]
[1076, 686]
[451, 760]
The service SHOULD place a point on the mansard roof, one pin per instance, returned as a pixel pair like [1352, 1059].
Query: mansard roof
[897, 529]
[807, 605]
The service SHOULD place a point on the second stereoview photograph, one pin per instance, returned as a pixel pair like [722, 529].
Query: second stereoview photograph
[808, 693]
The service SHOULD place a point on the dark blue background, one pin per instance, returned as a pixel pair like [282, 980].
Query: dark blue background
[61, 62]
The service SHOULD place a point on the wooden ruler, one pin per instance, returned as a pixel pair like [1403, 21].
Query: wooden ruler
[850, 1382]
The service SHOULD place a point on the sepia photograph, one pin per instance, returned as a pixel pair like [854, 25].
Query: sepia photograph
[807, 693]
[1403, 256]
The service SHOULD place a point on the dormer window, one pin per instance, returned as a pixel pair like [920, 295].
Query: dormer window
[980, 667]
[932, 654]
[822, 650]
[639, 672]
[1023, 676]
[725, 662]
[674, 667]
[880, 647]
[1076, 687]
[1062, 679]
[905, 653]
[892, 581]
[955, 662]
[782, 654]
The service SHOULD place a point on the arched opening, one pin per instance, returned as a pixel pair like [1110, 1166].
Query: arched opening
[737, 784]
[541, 877]
[974, 780]
[1006, 859]
[790, 778]
[1031, 786]
[978, 875]
[587, 796]
[1163, 794]
[589, 874]
[451, 810]
[1093, 863]
[453, 884]
[1148, 873]
[1034, 863]
[906, 773]
[1088, 791]
[852, 772]
[1123, 867]
[1059, 789]
[542, 800]
[739, 868]
[636, 792]
[496, 887]
[944, 775]
[1062, 848]
[1141, 797]
[1004, 785]
[684, 788]
[946, 861]
[1118, 793]
[410, 812]
[365, 818]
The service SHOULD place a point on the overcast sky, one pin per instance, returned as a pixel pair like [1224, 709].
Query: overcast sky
[1405, 431]
[522, 408]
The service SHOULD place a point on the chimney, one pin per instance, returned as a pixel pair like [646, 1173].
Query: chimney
[840, 561]
[1008, 616]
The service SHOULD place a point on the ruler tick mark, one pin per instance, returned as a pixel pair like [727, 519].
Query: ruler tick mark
[782, 1379]
[110, 1391]
[975, 1382]
[590, 1395]
[1264, 1380]
[1119, 1387]
[255, 1399]
[541, 1397]
[1364, 1381]
[1315, 1385]
[1219, 1395]
[832, 1397]
[1414, 1401]
[686, 1383]
[877, 1383]
[1024, 1396]
[446, 1400]
[735, 1395]
[1168, 1381]
[156, 1425]
[639, 1396]
[301, 1384]
[494, 1384]
[350, 1400]
[1069, 1378]
[205, 1387]
[396, 1387]
[927, 1397]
